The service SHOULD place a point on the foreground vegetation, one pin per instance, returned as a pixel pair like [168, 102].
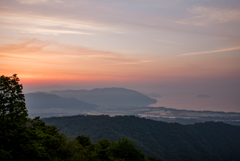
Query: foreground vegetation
[25, 139]
[215, 141]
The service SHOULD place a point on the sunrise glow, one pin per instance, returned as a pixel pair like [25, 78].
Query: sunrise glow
[138, 44]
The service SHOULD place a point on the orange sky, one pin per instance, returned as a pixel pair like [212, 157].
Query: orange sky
[134, 44]
[47, 61]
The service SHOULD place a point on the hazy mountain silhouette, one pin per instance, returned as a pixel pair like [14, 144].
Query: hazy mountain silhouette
[153, 95]
[43, 101]
[108, 96]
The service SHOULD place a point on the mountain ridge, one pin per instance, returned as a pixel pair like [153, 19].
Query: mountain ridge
[113, 96]
[47, 103]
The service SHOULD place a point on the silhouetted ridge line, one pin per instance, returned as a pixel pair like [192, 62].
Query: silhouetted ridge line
[109, 96]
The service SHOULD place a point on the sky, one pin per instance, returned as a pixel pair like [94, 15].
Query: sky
[176, 48]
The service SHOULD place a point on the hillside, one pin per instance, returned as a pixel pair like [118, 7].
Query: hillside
[108, 96]
[43, 103]
[167, 141]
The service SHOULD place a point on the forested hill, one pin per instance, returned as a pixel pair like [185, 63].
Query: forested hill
[213, 141]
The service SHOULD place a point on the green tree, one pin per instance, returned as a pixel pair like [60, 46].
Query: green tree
[22, 138]
[103, 149]
[12, 102]
[83, 140]
[13, 114]
[125, 149]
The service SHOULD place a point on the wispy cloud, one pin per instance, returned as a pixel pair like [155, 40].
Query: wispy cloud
[204, 16]
[46, 31]
[170, 42]
[32, 45]
[34, 57]
[133, 62]
[41, 24]
[213, 51]
[221, 15]
[33, 2]
[41, 51]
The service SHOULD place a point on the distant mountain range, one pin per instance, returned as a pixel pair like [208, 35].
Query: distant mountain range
[210, 141]
[44, 104]
[153, 95]
[73, 102]
[108, 97]
[116, 101]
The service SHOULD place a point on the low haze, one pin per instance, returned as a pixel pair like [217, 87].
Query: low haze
[186, 51]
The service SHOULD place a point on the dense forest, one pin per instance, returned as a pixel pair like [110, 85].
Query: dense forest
[26, 139]
[215, 141]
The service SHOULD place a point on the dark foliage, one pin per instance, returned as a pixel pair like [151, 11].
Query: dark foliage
[23, 138]
[166, 141]
[12, 101]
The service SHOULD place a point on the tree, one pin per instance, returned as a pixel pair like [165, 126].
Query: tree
[22, 138]
[13, 114]
[12, 101]
[83, 140]
[125, 149]
[103, 149]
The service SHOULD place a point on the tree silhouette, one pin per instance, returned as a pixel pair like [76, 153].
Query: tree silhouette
[12, 102]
